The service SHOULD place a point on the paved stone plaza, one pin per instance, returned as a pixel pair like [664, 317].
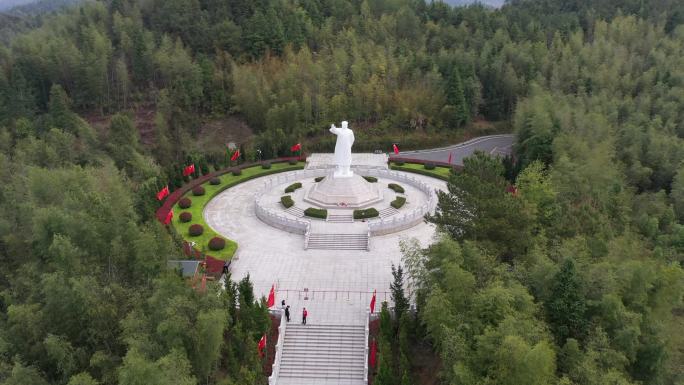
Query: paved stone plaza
[335, 285]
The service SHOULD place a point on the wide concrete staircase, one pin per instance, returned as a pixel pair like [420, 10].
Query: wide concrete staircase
[340, 218]
[323, 354]
[339, 241]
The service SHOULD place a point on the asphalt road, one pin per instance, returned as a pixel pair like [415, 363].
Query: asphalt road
[494, 144]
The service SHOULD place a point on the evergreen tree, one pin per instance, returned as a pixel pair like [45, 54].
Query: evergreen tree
[566, 307]
[401, 303]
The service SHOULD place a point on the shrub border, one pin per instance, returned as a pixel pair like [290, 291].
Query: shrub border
[180, 192]
[370, 212]
[398, 203]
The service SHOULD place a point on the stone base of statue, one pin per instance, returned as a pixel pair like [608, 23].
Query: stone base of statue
[344, 192]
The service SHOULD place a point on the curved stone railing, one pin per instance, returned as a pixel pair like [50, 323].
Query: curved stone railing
[275, 218]
[387, 225]
[408, 219]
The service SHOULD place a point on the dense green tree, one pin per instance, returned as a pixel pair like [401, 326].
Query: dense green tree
[401, 302]
[566, 306]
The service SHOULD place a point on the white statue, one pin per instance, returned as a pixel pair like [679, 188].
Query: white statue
[343, 158]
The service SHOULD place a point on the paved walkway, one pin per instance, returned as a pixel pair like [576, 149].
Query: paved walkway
[494, 144]
[271, 256]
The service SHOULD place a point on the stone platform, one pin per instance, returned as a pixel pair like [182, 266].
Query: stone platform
[352, 192]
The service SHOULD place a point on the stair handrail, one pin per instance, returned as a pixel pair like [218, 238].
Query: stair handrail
[365, 356]
[273, 379]
[307, 235]
[368, 239]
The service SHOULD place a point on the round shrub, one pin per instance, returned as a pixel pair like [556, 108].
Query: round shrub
[266, 165]
[198, 190]
[195, 230]
[292, 162]
[237, 172]
[215, 181]
[399, 163]
[429, 166]
[185, 216]
[217, 243]
[184, 203]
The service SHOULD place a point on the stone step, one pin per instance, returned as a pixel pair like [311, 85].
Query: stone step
[339, 241]
[323, 347]
[333, 375]
[296, 211]
[339, 332]
[317, 353]
[388, 211]
[325, 326]
[340, 218]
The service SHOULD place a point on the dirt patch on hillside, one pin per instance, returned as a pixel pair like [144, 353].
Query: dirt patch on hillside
[215, 134]
[143, 118]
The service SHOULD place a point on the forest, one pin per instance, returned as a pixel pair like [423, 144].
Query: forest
[575, 278]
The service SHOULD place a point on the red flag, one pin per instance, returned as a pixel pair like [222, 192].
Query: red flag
[189, 170]
[450, 154]
[271, 297]
[204, 283]
[168, 218]
[262, 345]
[236, 155]
[372, 304]
[373, 353]
[296, 147]
[163, 193]
[396, 149]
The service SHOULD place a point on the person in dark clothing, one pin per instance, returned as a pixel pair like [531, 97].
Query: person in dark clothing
[287, 313]
[304, 314]
[282, 303]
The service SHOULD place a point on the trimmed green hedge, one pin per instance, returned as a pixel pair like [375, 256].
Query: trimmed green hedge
[439, 172]
[266, 165]
[316, 213]
[398, 203]
[293, 187]
[366, 213]
[217, 243]
[320, 178]
[198, 191]
[396, 188]
[184, 203]
[371, 179]
[429, 166]
[287, 201]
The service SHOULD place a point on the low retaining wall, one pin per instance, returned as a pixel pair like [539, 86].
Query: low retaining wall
[276, 218]
[409, 219]
[388, 225]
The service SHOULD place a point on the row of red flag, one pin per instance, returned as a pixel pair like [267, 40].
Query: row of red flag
[270, 303]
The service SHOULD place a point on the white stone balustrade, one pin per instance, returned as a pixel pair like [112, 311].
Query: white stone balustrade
[394, 223]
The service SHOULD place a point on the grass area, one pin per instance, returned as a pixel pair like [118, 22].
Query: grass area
[438, 172]
[199, 202]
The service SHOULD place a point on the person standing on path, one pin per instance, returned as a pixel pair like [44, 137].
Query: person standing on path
[287, 313]
[304, 314]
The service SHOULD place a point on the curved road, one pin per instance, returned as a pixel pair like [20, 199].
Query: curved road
[493, 144]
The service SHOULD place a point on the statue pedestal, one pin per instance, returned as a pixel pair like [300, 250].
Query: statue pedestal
[344, 192]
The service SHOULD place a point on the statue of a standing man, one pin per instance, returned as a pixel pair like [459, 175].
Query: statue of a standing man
[345, 140]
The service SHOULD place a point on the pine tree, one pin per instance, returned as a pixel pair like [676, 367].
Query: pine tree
[401, 303]
[566, 307]
[456, 98]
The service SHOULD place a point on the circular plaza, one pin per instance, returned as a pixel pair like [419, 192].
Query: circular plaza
[320, 248]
